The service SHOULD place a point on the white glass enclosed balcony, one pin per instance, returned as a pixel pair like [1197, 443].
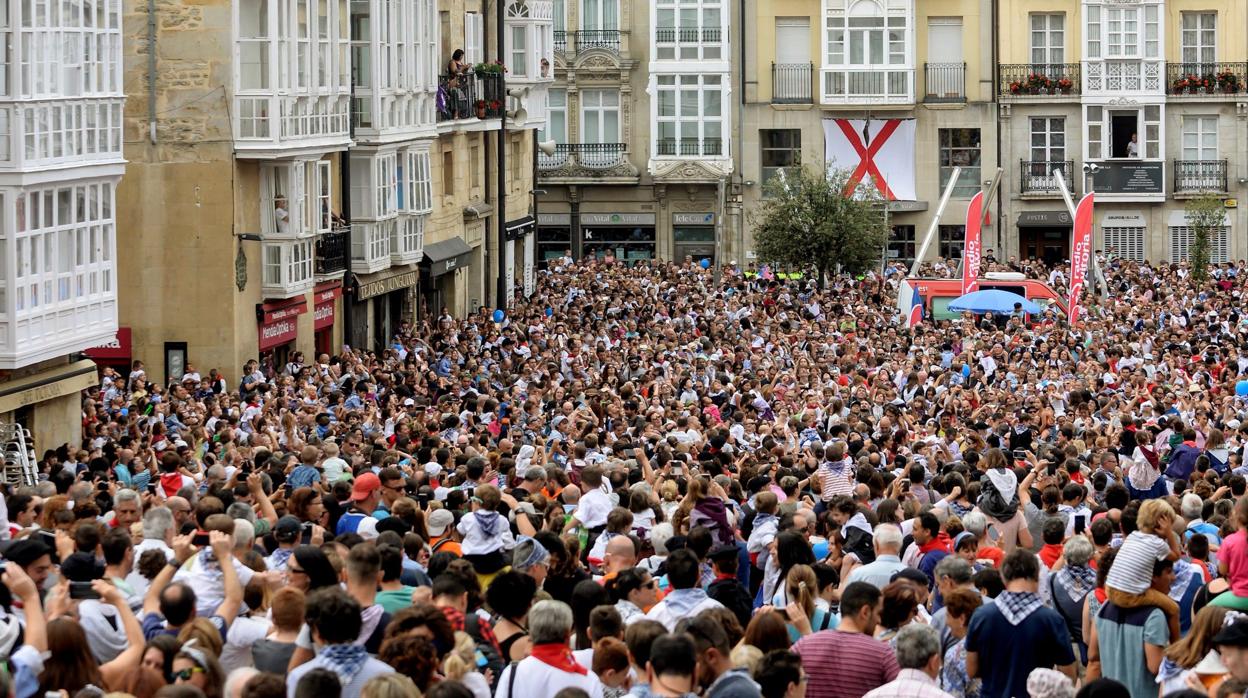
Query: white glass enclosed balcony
[394, 69]
[58, 289]
[292, 81]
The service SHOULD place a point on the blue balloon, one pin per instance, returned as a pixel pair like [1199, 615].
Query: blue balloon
[498, 315]
[1241, 389]
[550, 311]
[706, 263]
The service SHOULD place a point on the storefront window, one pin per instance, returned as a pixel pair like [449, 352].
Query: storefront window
[628, 245]
[552, 243]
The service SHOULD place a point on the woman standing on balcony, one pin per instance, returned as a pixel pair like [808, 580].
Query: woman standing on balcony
[454, 69]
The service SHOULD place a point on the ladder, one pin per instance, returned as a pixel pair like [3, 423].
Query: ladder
[17, 452]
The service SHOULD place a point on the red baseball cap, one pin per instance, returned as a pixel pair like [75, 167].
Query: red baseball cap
[365, 485]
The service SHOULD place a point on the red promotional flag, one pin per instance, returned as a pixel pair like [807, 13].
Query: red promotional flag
[971, 250]
[1081, 248]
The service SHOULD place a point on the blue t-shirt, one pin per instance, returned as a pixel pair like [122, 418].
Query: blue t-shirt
[1121, 635]
[1009, 653]
[303, 476]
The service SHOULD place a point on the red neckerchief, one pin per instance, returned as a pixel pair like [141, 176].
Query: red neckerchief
[940, 542]
[559, 656]
[720, 576]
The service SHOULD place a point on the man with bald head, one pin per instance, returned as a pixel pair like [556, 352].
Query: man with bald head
[182, 510]
[621, 555]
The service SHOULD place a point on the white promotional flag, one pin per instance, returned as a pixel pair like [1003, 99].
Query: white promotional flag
[880, 151]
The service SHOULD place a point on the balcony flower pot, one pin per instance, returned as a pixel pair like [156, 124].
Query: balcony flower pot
[1228, 82]
[480, 108]
[1065, 86]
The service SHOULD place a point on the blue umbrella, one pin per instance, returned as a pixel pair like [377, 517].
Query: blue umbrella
[992, 301]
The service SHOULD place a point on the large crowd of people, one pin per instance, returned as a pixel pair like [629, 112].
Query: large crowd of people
[663, 480]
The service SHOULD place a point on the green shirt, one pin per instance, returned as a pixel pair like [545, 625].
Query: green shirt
[395, 600]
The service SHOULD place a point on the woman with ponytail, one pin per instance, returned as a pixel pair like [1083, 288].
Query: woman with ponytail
[805, 614]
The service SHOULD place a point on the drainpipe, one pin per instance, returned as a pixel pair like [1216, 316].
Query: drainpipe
[996, 107]
[151, 70]
[739, 253]
[500, 300]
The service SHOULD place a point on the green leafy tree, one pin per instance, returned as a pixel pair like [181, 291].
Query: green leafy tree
[1204, 216]
[808, 220]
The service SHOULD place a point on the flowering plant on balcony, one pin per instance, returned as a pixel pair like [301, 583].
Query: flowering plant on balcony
[1064, 85]
[1037, 83]
[495, 68]
[1193, 83]
[1228, 81]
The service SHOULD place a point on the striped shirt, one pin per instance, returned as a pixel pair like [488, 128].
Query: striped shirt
[836, 480]
[910, 683]
[845, 665]
[1132, 571]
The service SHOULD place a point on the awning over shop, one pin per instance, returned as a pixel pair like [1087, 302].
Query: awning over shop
[447, 256]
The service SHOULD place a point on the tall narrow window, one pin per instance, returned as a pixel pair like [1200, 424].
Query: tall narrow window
[1199, 41]
[1200, 137]
[474, 38]
[959, 147]
[1048, 38]
[556, 117]
[519, 52]
[253, 45]
[1048, 140]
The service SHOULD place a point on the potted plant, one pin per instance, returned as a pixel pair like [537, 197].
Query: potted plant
[1227, 81]
[1064, 85]
[495, 106]
[481, 108]
[1016, 87]
[492, 68]
[1038, 84]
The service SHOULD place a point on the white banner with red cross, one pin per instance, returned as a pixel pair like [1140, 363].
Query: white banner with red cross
[877, 150]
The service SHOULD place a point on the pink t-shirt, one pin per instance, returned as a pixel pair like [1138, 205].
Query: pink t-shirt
[1234, 552]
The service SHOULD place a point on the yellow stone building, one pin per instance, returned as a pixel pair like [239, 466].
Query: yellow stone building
[1143, 103]
[306, 175]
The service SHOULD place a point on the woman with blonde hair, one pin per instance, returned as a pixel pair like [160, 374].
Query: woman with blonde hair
[1185, 654]
[390, 686]
[461, 665]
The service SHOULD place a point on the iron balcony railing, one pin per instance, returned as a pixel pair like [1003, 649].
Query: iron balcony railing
[691, 147]
[792, 83]
[471, 96]
[1038, 79]
[587, 39]
[590, 156]
[1036, 176]
[708, 35]
[561, 41]
[1194, 176]
[945, 82]
[1206, 78]
[331, 251]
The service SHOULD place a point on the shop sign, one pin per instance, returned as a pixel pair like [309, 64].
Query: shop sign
[693, 219]
[324, 312]
[49, 385]
[278, 332]
[617, 219]
[116, 348]
[1129, 178]
[387, 285]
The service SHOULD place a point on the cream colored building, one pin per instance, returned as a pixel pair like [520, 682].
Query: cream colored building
[641, 115]
[302, 179]
[1171, 73]
[929, 61]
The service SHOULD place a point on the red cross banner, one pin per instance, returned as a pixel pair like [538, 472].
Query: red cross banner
[880, 151]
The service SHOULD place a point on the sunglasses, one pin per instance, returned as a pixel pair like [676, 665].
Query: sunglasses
[186, 674]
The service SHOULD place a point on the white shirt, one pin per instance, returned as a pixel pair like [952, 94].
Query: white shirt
[476, 542]
[593, 509]
[243, 633]
[536, 678]
[207, 582]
